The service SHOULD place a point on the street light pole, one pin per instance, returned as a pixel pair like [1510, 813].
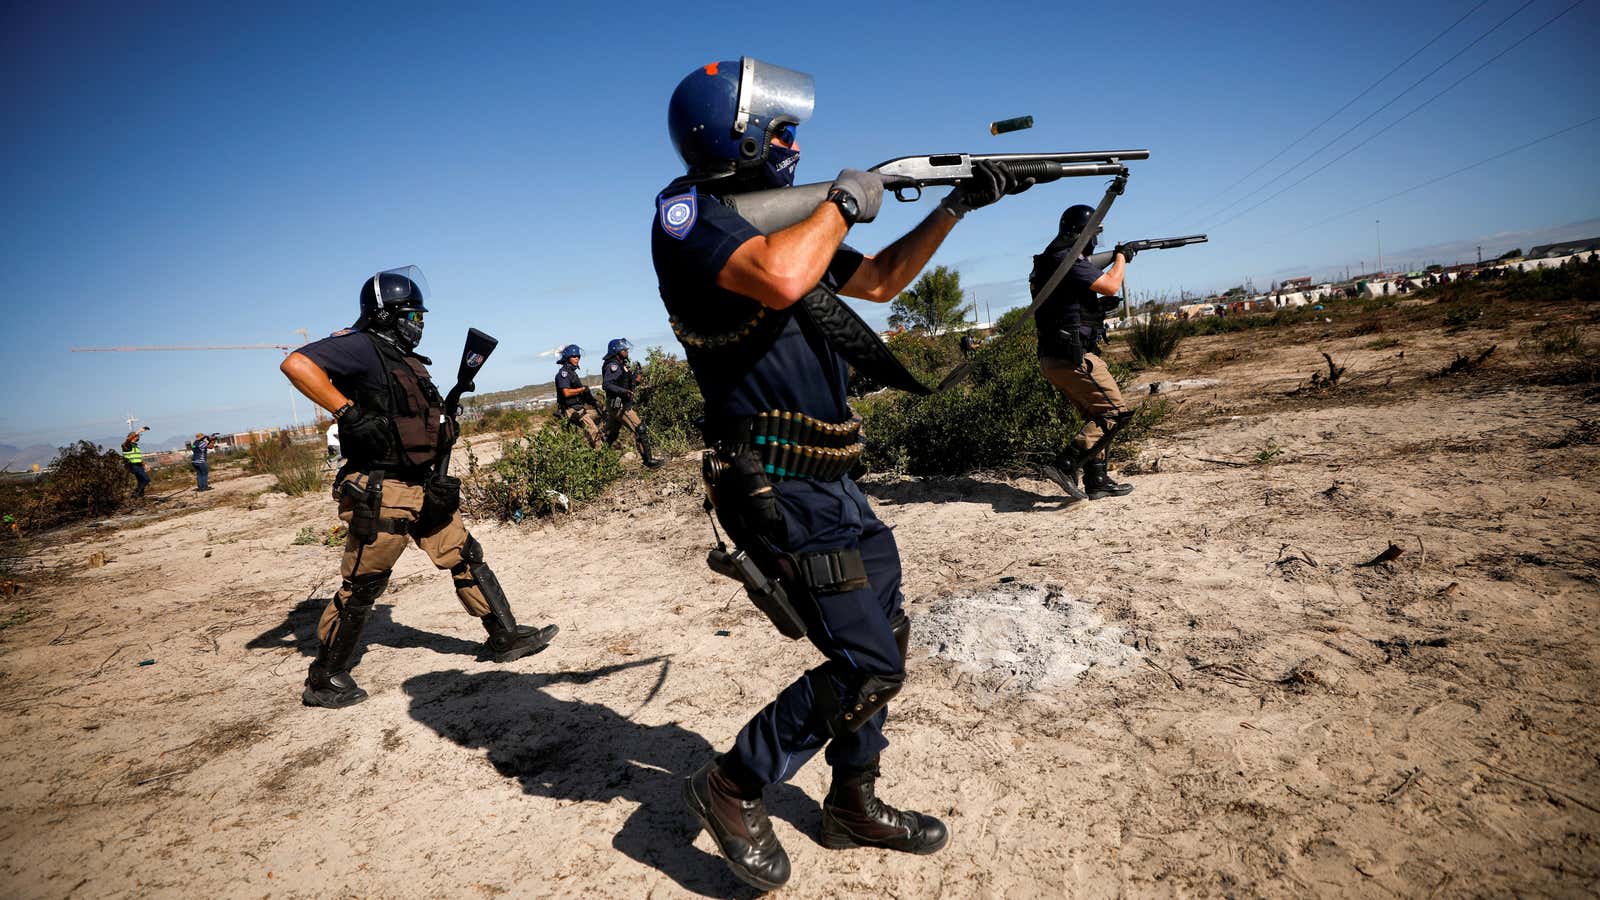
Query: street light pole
[1379, 223]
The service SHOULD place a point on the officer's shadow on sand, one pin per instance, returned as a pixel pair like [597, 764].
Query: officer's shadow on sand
[588, 753]
[299, 630]
[1003, 497]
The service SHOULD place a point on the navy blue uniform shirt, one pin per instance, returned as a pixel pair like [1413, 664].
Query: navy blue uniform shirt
[1072, 306]
[568, 378]
[350, 360]
[692, 236]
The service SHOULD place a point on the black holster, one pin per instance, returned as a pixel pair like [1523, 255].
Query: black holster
[367, 506]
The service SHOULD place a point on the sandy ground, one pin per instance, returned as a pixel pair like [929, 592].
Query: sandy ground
[1197, 690]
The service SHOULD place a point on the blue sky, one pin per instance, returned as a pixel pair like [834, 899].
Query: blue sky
[203, 175]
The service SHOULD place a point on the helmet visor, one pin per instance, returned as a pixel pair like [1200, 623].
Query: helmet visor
[768, 92]
[407, 289]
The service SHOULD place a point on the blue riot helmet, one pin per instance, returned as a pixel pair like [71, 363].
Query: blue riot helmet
[618, 345]
[722, 117]
[570, 351]
[391, 303]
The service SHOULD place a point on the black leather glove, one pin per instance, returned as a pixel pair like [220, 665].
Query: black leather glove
[1128, 253]
[865, 188]
[363, 435]
[989, 182]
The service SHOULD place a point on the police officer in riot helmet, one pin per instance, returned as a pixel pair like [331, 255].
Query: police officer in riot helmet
[622, 386]
[377, 387]
[1071, 322]
[783, 439]
[575, 401]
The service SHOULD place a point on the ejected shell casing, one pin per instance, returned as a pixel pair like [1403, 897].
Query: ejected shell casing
[1005, 125]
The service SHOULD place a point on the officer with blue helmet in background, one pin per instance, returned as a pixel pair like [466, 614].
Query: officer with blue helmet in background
[622, 386]
[575, 400]
[783, 438]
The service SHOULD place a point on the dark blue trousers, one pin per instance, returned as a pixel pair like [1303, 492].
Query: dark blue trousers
[140, 478]
[202, 472]
[850, 629]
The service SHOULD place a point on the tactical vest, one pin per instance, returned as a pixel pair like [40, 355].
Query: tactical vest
[133, 456]
[410, 402]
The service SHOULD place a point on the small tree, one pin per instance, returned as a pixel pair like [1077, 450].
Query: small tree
[933, 304]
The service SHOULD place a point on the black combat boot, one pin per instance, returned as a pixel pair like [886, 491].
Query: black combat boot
[507, 641]
[646, 454]
[1065, 473]
[328, 681]
[507, 645]
[853, 816]
[1098, 484]
[739, 826]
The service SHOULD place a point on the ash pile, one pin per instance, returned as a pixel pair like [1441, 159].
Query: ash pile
[1022, 637]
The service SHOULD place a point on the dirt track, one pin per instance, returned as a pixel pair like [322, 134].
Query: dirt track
[1296, 723]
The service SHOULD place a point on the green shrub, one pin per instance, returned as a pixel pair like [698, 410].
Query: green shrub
[1006, 417]
[670, 403]
[929, 357]
[533, 469]
[1155, 339]
[297, 467]
[306, 535]
[504, 418]
[85, 481]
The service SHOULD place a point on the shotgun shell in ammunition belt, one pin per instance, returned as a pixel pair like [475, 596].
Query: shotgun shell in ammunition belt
[795, 445]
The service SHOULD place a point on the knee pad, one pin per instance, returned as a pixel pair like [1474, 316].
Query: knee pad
[838, 715]
[366, 589]
[471, 551]
[640, 431]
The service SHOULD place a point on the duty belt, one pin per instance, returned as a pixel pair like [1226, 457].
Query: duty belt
[795, 445]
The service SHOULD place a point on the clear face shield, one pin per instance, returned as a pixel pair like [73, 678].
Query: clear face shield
[768, 94]
[396, 286]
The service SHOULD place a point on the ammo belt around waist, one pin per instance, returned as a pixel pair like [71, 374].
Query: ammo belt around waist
[795, 445]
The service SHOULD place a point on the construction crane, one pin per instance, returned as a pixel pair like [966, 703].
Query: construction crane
[294, 405]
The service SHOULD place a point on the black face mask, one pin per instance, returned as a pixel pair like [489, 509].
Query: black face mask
[408, 334]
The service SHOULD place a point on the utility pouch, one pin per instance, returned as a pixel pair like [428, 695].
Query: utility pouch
[441, 497]
[367, 503]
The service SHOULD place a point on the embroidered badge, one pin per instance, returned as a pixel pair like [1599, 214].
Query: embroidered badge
[678, 214]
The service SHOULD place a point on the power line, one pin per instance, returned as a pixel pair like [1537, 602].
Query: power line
[1385, 129]
[1369, 116]
[1417, 187]
[1224, 192]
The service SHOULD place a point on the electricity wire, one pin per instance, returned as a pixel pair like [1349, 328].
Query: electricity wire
[1432, 181]
[1370, 116]
[1385, 129]
[1276, 156]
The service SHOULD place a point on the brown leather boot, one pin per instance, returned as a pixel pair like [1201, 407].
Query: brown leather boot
[740, 827]
[853, 816]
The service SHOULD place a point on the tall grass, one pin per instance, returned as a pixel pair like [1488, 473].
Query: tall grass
[1155, 339]
[297, 467]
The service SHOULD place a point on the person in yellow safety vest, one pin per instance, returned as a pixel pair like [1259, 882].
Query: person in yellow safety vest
[133, 458]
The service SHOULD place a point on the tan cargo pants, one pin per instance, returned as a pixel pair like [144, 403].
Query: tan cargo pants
[1092, 391]
[586, 418]
[401, 500]
[616, 421]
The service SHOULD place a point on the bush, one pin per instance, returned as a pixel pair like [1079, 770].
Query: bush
[297, 467]
[1006, 417]
[671, 403]
[533, 468]
[505, 418]
[1155, 339]
[85, 481]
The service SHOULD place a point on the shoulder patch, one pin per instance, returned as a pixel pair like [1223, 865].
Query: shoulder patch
[678, 213]
[342, 332]
[612, 367]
